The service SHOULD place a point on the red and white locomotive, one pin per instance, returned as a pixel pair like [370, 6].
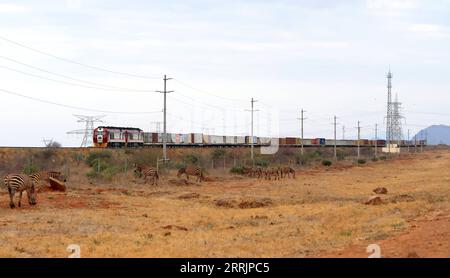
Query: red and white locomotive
[118, 137]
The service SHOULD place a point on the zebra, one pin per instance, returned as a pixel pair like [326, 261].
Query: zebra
[147, 172]
[272, 172]
[191, 171]
[45, 176]
[19, 183]
[287, 171]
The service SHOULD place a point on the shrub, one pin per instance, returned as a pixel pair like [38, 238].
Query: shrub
[93, 157]
[147, 158]
[191, 159]
[375, 159]
[361, 161]
[306, 158]
[383, 157]
[218, 153]
[326, 163]
[237, 170]
[262, 162]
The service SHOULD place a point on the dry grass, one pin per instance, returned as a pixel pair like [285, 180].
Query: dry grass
[320, 210]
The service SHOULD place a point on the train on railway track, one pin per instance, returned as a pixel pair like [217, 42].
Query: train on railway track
[120, 137]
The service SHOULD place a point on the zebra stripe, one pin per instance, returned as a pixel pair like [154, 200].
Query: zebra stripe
[19, 183]
[147, 172]
[191, 171]
[45, 176]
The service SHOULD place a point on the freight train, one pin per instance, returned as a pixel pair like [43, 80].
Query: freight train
[119, 137]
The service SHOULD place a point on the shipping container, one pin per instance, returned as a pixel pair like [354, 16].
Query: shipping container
[216, 139]
[292, 141]
[306, 142]
[363, 142]
[184, 138]
[206, 139]
[230, 140]
[248, 140]
[264, 140]
[196, 138]
[282, 141]
[240, 140]
[148, 137]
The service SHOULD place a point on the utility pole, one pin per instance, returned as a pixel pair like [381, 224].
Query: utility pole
[359, 137]
[252, 136]
[165, 92]
[343, 132]
[376, 140]
[302, 118]
[335, 145]
[408, 141]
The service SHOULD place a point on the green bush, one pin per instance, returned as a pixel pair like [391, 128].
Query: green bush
[340, 156]
[218, 153]
[383, 157]
[147, 158]
[326, 163]
[93, 157]
[30, 167]
[361, 161]
[237, 170]
[262, 162]
[191, 159]
[375, 159]
[306, 158]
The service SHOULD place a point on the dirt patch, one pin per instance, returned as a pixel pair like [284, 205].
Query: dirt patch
[374, 201]
[227, 203]
[380, 190]
[255, 203]
[175, 227]
[401, 198]
[180, 182]
[186, 196]
[244, 203]
[424, 239]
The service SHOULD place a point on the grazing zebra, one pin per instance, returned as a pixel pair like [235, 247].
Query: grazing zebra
[45, 176]
[257, 172]
[275, 172]
[191, 171]
[19, 183]
[147, 172]
[287, 171]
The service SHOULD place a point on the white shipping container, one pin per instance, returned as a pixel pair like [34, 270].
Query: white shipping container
[198, 138]
[184, 138]
[240, 139]
[230, 139]
[206, 139]
[215, 139]
[264, 140]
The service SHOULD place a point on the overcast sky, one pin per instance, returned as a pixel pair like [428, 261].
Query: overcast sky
[328, 57]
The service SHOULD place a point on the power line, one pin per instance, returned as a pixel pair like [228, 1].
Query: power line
[75, 62]
[72, 106]
[206, 92]
[69, 83]
[68, 77]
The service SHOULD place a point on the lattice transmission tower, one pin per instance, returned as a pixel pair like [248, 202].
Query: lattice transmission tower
[87, 132]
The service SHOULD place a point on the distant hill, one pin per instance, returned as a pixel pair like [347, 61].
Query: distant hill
[437, 134]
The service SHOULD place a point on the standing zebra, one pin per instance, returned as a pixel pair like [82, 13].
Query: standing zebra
[147, 172]
[45, 176]
[287, 171]
[275, 172]
[192, 171]
[19, 183]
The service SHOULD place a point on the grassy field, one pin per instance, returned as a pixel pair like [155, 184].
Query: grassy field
[317, 213]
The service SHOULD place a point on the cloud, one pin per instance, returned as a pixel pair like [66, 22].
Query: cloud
[12, 9]
[391, 7]
[430, 30]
